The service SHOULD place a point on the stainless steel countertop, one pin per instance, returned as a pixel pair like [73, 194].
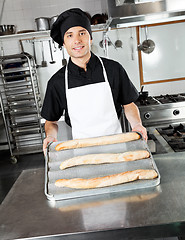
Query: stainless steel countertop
[146, 213]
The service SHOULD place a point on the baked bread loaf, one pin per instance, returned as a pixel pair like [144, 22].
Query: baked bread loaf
[110, 180]
[96, 141]
[104, 158]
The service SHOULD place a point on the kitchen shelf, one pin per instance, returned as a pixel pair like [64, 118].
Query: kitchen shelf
[98, 27]
[26, 35]
[21, 104]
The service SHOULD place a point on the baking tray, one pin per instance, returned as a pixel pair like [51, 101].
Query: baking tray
[54, 158]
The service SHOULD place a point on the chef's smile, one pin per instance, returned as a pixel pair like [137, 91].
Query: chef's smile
[78, 48]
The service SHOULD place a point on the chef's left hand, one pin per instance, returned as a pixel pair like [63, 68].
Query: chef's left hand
[139, 128]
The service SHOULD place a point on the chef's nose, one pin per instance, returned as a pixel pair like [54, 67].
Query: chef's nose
[77, 38]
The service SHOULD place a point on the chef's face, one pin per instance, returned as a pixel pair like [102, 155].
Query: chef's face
[77, 42]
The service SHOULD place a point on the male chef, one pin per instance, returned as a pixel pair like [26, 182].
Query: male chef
[90, 90]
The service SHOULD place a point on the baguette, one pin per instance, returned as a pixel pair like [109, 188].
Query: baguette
[96, 141]
[104, 158]
[110, 180]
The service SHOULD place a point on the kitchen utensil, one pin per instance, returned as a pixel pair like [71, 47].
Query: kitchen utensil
[64, 61]
[42, 23]
[55, 48]
[105, 42]
[51, 53]
[118, 43]
[7, 29]
[101, 43]
[34, 53]
[132, 45]
[2, 50]
[147, 45]
[43, 63]
[52, 20]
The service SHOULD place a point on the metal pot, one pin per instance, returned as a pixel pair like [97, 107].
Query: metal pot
[7, 29]
[52, 20]
[42, 23]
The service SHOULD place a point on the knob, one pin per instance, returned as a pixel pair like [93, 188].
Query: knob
[147, 115]
[176, 112]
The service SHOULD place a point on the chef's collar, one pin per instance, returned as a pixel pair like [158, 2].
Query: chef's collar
[73, 68]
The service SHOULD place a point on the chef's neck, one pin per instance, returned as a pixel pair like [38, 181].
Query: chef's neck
[82, 62]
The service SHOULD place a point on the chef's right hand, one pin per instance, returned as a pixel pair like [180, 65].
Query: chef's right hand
[46, 141]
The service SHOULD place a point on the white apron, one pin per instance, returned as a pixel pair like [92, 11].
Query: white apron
[91, 109]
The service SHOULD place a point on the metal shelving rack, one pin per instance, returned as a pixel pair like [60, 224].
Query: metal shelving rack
[21, 104]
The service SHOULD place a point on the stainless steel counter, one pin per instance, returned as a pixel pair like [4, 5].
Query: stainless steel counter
[147, 213]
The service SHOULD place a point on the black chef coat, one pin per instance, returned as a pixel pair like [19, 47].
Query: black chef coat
[55, 103]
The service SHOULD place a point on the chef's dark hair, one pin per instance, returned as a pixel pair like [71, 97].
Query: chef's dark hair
[71, 18]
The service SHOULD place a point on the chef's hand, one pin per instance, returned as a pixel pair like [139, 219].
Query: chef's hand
[46, 141]
[139, 128]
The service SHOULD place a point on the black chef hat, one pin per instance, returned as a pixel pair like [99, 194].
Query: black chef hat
[71, 18]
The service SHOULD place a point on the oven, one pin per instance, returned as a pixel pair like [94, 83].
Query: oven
[164, 118]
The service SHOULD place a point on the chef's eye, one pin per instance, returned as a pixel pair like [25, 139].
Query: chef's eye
[82, 33]
[69, 35]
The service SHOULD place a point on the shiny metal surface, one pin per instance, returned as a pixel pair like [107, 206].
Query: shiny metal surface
[136, 13]
[55, 158]
[158, 212]
[159, 114]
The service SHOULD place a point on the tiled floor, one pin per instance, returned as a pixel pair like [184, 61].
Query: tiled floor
[10, 172]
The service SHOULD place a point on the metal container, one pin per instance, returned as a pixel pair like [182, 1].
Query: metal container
[7, 29]
[52, 20]
[42, 23]
[53, 172]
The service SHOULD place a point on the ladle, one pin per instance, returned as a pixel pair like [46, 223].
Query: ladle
[51, 53]
[147, 45]
[64, 61]
[43, 63]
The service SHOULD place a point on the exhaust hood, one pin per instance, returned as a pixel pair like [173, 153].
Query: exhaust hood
[125, 13]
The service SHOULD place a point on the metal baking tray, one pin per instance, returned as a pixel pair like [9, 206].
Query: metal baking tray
[54, 158]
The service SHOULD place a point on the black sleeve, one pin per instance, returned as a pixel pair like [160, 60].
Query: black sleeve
[53, 105]
[127, 91]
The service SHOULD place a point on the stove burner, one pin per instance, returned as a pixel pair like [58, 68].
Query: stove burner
[162, 99]
[171, 98]
[147, 101]
[175, 136]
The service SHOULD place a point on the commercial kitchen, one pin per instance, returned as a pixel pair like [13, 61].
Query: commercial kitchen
[146, 37]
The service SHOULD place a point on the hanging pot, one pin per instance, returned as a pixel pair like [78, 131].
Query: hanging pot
[42, 23]
[52, 20]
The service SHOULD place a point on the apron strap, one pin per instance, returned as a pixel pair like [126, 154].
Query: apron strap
[104, 73]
